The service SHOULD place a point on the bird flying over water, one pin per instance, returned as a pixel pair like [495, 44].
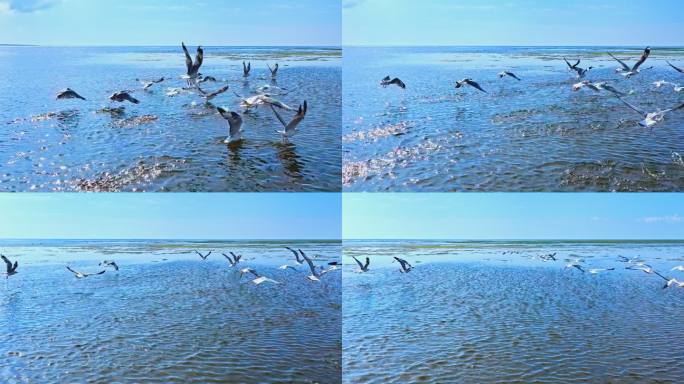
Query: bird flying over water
[634, 70]
[316, 275]
[122, 96]
[193, 67]
[147, 84]
[362, 267]
[471, 83]
[234, 123]
[651, 118]
[210, 95]
[405, 266]
[296, 255]
[234, 260]
[204, 257]
[11, 269]
[246, 68]
[69, 94]
[396, 81]
[509, 74]
[258, 279]
[290, 128]
[274, 70]
[82, 275]
[109, 263]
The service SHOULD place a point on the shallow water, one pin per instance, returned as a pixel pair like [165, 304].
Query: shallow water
[468, 313]
[164, 143]
[167, 321]
[532, 135]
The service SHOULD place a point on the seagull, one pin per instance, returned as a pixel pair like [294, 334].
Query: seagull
[261, 99]
[623, 259]
[193, 67]
[675, 282]
[233, 261]
[147, 84]
[292, 125]
[678, 268]
[287, 266]
[362, 267]
[405, 266]
[316, 275]
[470, 82]
[597, 87]
[210, 95]
[274, 70]
[109, 263]
[628, 72]
[574, 265]
[246, 68]
[258, 278]
[122, 96]
[11, 268]
[680, 70]
[598, 270]
[581, 72]
[235, 124]
[396, 81]
[69, 94]
[650, 270]
[204, 257]
[508, 73]
[572, 67]
[297, 257]
[550, 256]
[660, 83]
[82, 275]
[652, 118]
[207, 78]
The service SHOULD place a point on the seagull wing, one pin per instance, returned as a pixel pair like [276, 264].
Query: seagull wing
[511, 74]
[642, 59]
[633, 107]
[99, 273]
[198, 60]
[188, 59]
[622, 63]
[218, 92]
[367, 263]
[311, 265]
[675, 108]
[398, 82]
[280, 118]
[474, 85]
[680, 70]
[358, 262]
[72, 271]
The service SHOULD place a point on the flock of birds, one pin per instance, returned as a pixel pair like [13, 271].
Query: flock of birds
[316, 271]
[635, 264]
[649, 119]
[263, 97]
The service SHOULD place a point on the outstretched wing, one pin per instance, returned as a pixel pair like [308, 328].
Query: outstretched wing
[680, 70]
[280, 118]
[474, 85]
[198, 59]
[188, 59]
[642, 59]
[632, 107]
[9, 264]
[622, 63]
[358, 262]
[311, 265]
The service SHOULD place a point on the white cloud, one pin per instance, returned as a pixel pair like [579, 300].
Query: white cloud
[663, 219]
[26, 6]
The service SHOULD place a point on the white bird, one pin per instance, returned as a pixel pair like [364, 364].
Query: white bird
[147, 84]
[234, 260]
[193, 67]
[581, 72]
[628, 72]
[660, 83]
[675, 282]
[258, 278]
[210, 95]
[262, 99]
[109, 263]
[11, 268]
[652, 118]
[286, 266]
[471, 83]
[315, 274]
[362, 267]
[204, 257]
[234, 125]
[678, 268]
[82, 275]
[290, 128]
[598, 270]
[574, 265]
[509, 74]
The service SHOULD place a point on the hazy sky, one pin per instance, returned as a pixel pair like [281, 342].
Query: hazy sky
[167, 22]
[513, 22]
[513, 216]
[171, 216]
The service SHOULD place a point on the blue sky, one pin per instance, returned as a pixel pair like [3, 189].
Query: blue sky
[472, 216]
[513, 22]
[167, 22]
[170, 216]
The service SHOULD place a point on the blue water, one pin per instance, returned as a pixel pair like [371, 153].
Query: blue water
[470, 313]
[532, 135]
[167, 316]
[164, 143]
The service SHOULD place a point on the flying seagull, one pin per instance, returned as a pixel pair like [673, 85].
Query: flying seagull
[678, 268]
[405, 266]
[204, 257]
[652, 118]
[599, 270]
[470, 82]
[147, 84]
[508, 73]
[680, 70]
[122, 96]
[258, 278]
[581, 72]
[574, 265]
[234, 260]
[109, 263]
[207, 78]
[246, 68]
[626, 70]
[396, 81]
[572, 67]
[193, 67]
[69, 94]
[82, 275]
[362, 267]
[315, 274]
[675, 282]
[292, 125]
[274, 70]
[296, 255]
[11, 268]
[234, 124]
[210, 95]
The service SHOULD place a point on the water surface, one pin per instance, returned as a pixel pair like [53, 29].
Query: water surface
[532, 135]
[164, 143]
[167, 316]
[469, 313]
